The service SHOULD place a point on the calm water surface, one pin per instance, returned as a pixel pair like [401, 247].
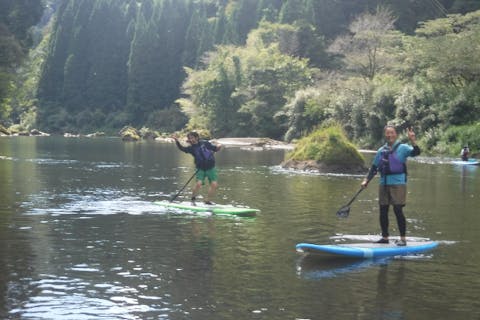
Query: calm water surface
[81, 239]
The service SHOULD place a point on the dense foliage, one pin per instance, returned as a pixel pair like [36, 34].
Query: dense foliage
[16, 18]
[385, 76]
[244, 88]
[252, 67]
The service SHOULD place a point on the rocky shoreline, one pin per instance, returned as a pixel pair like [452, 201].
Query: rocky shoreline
[252, 143]
[247, 143]
[131, 134]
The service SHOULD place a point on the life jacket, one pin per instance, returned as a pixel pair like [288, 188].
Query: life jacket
[390, 163]
[204, 158]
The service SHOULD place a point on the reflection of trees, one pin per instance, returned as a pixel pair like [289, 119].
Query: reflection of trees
[18, 180]
[18, 170]
[15, 256]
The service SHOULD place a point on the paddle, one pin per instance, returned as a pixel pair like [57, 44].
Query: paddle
[344, 211]
[178, 193]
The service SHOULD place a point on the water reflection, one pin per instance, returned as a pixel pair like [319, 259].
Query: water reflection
[312, 267]
[390, 302]
[81, 239]
[91, 203]
[466, 173]
[75, 298]
[117, 274]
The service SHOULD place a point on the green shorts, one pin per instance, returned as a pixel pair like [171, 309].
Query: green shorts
[211, 174]
[392, 194]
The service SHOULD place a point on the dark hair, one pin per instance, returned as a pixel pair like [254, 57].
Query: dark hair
[389, 126]
[193, 134]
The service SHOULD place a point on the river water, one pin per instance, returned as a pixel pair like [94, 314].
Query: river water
[80, 238]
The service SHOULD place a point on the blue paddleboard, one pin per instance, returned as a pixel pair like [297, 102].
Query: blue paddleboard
[366, 250]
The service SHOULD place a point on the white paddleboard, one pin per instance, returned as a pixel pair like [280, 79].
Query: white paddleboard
[472, 162]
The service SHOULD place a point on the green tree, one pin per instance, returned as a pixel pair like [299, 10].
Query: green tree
[143, 69]
[16, 18]
[243, 88]
[195, 38]
[268, 10]
[362, 49]
[453, 74]
[464, 6]
[292, 10]
[106, 82]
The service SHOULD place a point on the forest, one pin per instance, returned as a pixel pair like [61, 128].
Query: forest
[267, 68]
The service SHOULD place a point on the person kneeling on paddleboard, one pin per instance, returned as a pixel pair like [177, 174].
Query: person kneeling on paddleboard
[390, 160]
[203, 154]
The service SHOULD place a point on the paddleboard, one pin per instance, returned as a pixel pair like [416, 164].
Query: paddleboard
[471, 161]
[366, 250]
[217, 209]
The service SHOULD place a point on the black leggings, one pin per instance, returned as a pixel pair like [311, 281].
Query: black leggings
[402, 224]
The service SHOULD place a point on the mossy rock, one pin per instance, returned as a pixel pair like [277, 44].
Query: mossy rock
[129, 134]
[16, 129]
[4, 131]
[148, 134]
[326, 150]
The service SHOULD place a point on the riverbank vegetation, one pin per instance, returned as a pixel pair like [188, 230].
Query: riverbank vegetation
[16, 37]
[278, 69]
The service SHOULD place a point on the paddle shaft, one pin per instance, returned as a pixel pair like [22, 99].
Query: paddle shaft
[354, 197]
[347, 206]
[184, 186]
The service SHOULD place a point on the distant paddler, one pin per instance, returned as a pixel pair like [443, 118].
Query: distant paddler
[464, 153]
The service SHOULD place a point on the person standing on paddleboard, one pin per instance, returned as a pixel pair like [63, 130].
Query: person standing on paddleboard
[390, 161]
[464, 153]
[203, 154]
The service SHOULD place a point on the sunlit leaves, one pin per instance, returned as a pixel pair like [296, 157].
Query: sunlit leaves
[242, 88]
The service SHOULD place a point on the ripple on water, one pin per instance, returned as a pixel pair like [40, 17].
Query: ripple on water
[73, 298]
[290, 171]
[74, 204]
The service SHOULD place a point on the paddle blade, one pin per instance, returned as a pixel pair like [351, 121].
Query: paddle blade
[343, 212]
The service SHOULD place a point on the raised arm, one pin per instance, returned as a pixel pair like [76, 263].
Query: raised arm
[413, 141]
[179, 145]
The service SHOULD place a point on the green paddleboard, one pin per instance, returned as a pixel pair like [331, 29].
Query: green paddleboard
[218, 209]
